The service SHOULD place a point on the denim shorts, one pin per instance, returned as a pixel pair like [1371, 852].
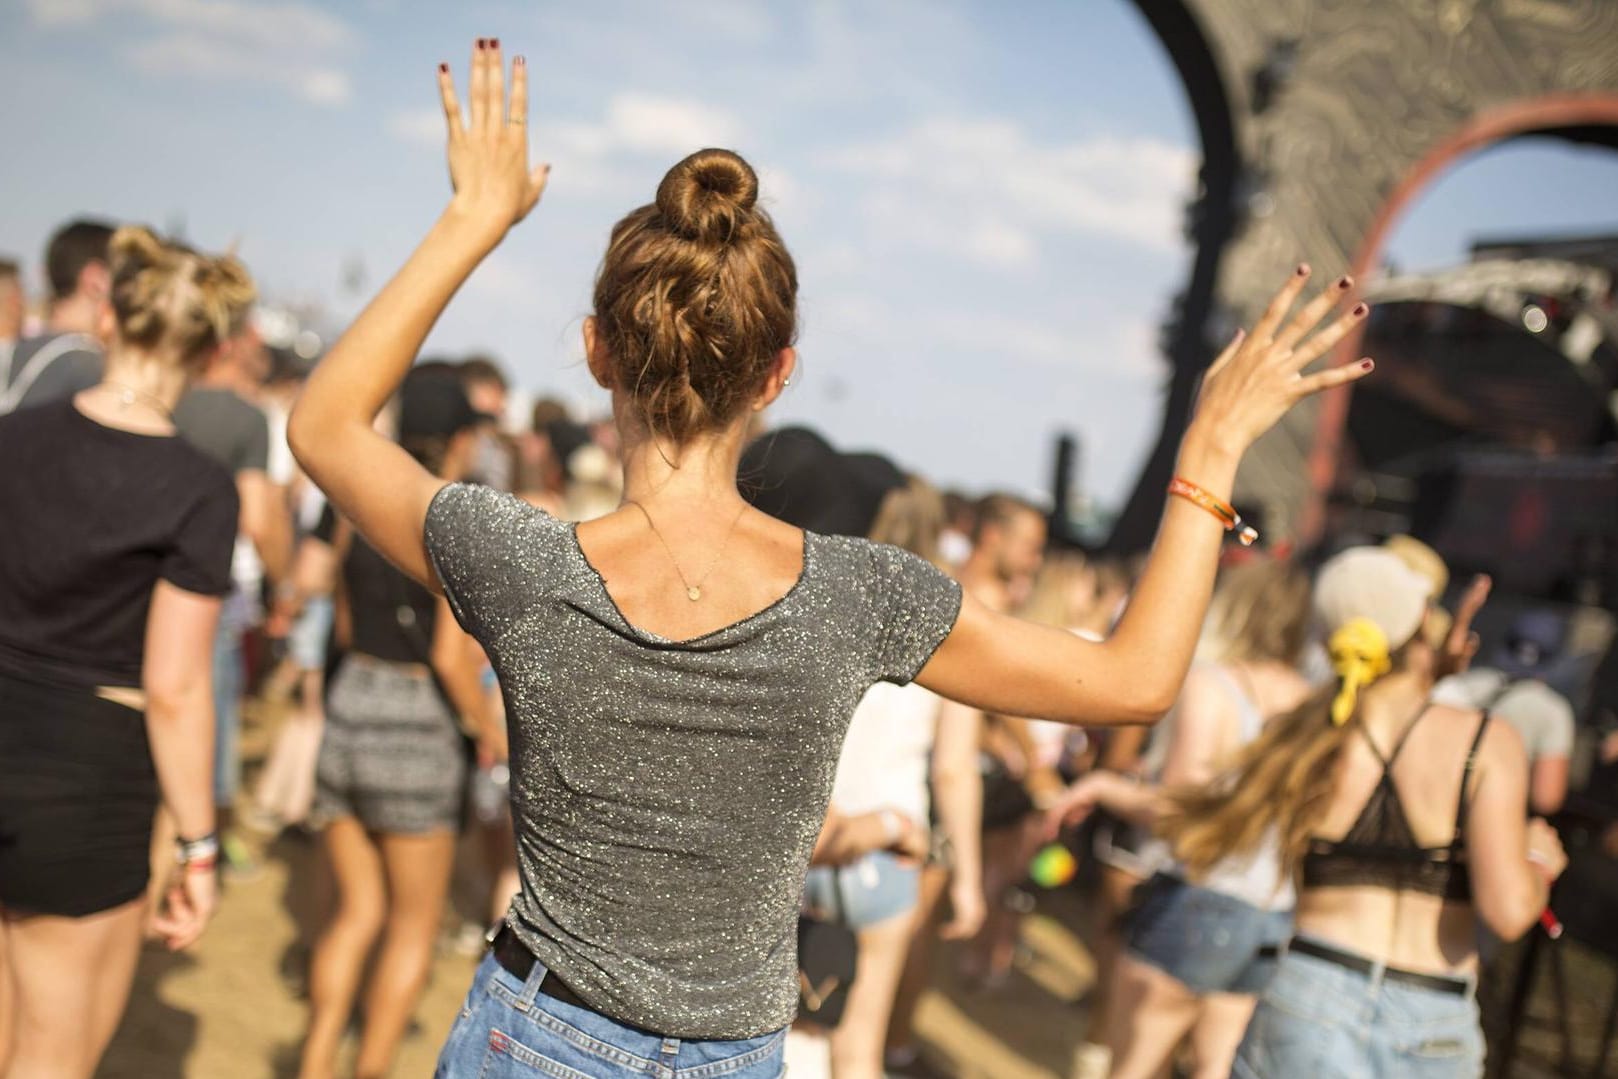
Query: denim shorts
[509, 1029]
[306, 644]
[1324, 1021]
[860, 895]
[1208, 941]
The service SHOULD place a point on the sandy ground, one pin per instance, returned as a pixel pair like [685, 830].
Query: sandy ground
[232, 1007]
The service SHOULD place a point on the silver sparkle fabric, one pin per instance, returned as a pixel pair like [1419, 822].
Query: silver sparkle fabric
[668, 794]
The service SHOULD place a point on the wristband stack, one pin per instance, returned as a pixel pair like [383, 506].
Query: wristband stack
[1218, 507]
[198, 854]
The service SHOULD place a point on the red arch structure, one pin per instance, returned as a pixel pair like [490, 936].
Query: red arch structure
[1550, 115]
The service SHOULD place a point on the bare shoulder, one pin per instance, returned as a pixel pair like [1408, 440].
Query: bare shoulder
[1454, 729]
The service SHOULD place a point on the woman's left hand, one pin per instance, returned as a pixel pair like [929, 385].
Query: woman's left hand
[488, 149]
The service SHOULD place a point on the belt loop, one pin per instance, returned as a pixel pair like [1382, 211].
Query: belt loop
[1378, 973]
[669, 1048]
[530, 988]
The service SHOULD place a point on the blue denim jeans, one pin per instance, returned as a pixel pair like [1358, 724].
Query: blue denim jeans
[866, 893]
[1324, 1021]
[229, 681]
[508, 1028]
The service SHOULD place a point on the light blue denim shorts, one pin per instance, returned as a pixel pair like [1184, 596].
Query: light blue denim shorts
[1324, 1021]
[863, 893]
[508, 1029]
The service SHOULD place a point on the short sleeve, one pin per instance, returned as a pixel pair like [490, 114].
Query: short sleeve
[1547, 714]
[485, 549]
[916, 605]
[198, 559]
[255, 449]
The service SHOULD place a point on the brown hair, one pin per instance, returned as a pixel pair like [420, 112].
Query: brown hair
[696, 296]
[1051, 602]
[168, 297]
[911, 517]
[72, 247]
[1283, 779]
[1260, 613]
[998, 510]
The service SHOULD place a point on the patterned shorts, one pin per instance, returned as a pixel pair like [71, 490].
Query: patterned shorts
[391, 755]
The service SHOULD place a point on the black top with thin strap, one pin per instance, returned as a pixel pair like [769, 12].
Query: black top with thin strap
[1381, 848]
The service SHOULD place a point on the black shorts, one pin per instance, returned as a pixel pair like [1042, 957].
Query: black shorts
[77, 796]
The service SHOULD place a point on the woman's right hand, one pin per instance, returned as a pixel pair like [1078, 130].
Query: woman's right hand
[488, 149]
[1258, 376]
[1545, 848]
[188, 904]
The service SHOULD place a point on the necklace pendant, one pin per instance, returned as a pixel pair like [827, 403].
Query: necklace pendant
[693, 593]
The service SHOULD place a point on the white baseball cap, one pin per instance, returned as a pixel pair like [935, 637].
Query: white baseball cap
[1372, 583]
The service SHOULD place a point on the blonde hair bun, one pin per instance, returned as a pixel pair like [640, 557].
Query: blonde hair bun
[708, 197]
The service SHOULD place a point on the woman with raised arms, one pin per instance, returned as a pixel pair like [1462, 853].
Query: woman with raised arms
[679, 673]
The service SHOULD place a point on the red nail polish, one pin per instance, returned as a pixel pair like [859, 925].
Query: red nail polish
[1344, 281]
[443, 69]
[1366, 365]
[494, 43]
[483, 43]
[1360, 309]
[1303, 269]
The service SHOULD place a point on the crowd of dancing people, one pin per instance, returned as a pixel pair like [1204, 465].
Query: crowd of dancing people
[742, 725]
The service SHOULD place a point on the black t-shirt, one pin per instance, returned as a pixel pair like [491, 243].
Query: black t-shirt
[391, 616]
[92, 517]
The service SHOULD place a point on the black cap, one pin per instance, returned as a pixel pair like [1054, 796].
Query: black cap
[795, 475]
[433, 404]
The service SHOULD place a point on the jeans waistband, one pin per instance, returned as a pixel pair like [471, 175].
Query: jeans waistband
[1460, 985]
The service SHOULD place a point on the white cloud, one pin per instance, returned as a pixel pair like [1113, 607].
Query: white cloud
[290, 45]
[986, 189]
[421, 127]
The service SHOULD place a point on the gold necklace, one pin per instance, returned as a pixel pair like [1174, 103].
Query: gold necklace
[129, 395]
[693, 592]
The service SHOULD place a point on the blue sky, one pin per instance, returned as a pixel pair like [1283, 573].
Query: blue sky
[984, 200]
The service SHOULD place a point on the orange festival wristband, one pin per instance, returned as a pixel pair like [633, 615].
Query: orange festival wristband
[1218, 507]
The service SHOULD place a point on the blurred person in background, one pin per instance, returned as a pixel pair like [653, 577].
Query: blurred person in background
[695, 761]
[13, 306]
[1008, 547]
[218, 416]
[488, 390]
[391, 775]
[1514, 689]
[1192, 964]
[67, 356]
[543, 468]
[113, 559]
[1402, 821]
[900, 741]
[1114, 844]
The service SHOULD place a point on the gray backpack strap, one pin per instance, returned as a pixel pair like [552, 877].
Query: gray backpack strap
[11, 396]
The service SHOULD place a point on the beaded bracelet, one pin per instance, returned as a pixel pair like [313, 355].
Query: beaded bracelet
[1218, 507]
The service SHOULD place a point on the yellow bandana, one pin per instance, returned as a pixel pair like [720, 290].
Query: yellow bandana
[1359, 655]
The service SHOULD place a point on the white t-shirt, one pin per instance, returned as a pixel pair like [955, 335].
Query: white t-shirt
[885, 756]
[1541, 715]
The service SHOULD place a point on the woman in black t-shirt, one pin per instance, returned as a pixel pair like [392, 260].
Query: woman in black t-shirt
[391, 775]
[115, 553]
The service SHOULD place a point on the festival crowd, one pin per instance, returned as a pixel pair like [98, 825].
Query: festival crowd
[1309, 859]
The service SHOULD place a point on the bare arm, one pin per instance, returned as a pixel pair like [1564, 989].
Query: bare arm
[376, 484]
[958, 802]
[1000, 664]
[458, 662]
[177, 675]
[266, 521]
[1507, 890]
[1547, 786]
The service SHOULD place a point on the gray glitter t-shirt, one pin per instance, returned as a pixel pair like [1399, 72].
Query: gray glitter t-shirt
[668, 794]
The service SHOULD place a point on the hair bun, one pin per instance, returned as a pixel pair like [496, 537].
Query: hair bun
[708, 197]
